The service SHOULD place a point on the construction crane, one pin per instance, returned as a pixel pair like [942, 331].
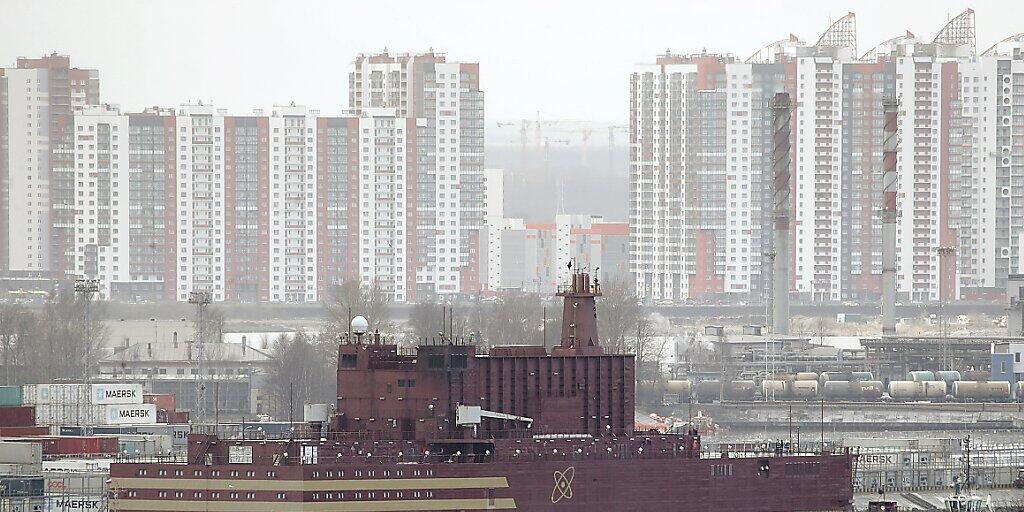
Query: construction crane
[611, 142]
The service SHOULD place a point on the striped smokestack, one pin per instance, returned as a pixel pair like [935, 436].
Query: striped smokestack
[781, 191]
[889, 144]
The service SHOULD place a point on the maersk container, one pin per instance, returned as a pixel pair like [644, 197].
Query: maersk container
[116, 394]
[10, 396]
[32, 394]
[981, 391]
[140, 414]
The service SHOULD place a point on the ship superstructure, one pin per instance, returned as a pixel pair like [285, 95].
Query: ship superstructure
[517, 428]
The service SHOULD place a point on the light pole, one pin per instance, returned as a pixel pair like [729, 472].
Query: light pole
[201, 300]
[85, 288]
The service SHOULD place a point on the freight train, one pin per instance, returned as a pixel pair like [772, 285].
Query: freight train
[942, 386]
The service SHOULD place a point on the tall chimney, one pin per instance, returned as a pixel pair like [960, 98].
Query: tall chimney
[781, 188]
[889, 143]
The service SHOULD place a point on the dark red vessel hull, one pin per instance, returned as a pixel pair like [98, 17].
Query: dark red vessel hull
[755, 484]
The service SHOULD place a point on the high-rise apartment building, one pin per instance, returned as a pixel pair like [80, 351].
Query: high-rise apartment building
[700, 167]
[443, 168]
[37, 178]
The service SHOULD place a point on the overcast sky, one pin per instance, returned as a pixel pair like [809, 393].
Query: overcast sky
[567, 60]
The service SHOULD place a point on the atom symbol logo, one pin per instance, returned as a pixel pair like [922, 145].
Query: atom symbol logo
[563, 485]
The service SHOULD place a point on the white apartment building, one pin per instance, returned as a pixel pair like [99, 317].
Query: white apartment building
[293, 204]
[102, 214]
[960, 214]
[383, 201]
[200, 201]
[37, 98]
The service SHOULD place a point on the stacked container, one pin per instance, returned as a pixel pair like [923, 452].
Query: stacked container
[89, 404]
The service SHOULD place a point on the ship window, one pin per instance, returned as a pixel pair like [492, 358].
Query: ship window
[348, 360]
[435, 361]
[459, 361]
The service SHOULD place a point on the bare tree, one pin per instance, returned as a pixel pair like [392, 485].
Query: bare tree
[618, 314]
[352, 298]
[301, 372]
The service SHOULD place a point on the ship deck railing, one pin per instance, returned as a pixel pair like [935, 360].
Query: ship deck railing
[178, 458]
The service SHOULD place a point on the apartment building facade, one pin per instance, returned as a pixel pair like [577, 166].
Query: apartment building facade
[443, 166]
[37, 178]
[956, 167]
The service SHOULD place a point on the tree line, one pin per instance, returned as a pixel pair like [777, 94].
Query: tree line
[63, 339]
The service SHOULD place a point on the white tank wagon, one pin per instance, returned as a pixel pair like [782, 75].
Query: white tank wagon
[917, 390]
[921, 376]
[974, 391]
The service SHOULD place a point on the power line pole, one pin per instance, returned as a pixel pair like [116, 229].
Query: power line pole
[201, 300]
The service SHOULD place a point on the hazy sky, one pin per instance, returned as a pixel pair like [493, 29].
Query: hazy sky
[563, 59]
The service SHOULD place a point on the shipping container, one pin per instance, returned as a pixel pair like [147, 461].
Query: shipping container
[166, 402]
[116, 394]
[178, 433]
[24, 431]
[10, 396]
[20, 452]
[171, 416]
[130, 414]
[19, 416]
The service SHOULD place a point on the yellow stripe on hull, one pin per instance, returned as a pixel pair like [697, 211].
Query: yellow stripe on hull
[336, 506]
